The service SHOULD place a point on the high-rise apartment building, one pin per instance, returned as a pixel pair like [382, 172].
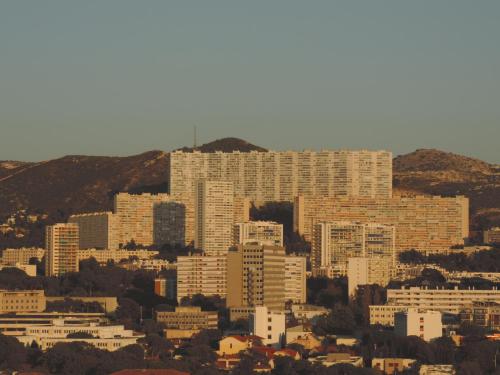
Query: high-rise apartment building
[264, 232]
[425, 324]
[423, 223]
[97, 230]
[295, 279]
[214, 216]
[201, 274]
[367, 271]
[257, 276]
[280, 176]
[335, 242]
[136, 216]
[62, 244]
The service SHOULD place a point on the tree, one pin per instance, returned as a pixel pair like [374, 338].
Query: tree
[339, 321]
[12, 353]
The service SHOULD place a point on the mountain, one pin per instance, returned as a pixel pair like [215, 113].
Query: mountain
[225, 145]
[437, 172]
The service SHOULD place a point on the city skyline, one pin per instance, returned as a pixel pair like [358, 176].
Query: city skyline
[124, 78]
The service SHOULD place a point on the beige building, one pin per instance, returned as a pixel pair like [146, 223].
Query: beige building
[98, 230]
[257, 276]
[62, 244]
[334, 243]
[366, 271]
[295, 279]
[28, 269]
[214, 216]
[201, 274]
[492, 236]
[425, 324]
[280, 176]
[22, 255]
[189, 318]
[423, 223]
[115, 255]
[390, 366]
[22, 301]
[264, 232]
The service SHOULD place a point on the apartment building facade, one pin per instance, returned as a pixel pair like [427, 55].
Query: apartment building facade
[280, 176]
[257, 276]
[424, 223]
[295, 279]
[97, 230]
[201, 274]
[22, 255]
[22, 301]
[265, 232]
[62, 243]
[367, 271]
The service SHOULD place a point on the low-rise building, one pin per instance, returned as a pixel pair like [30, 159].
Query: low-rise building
[269, 325]
[108, 304]
[425, 324]
[484, 314]
[332, 359]
[492, 236]
[186, 318]
[384, 314]
[15, 301]
[115, 255]
[306, 312]
[437, 370]
[106, 337]
[22, 255]
[28, 269]
[302, 335]
[230, 345]
[391, 366]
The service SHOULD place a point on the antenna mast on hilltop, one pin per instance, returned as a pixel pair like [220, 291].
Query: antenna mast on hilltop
[194, 138]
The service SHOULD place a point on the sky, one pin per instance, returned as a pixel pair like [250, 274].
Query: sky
[121, 77]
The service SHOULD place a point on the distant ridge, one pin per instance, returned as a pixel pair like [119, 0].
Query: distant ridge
[225, 145]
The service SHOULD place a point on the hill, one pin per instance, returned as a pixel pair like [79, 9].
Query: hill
[437, 172]
[225, 145]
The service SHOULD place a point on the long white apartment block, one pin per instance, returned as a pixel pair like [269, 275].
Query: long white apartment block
[115, 255]
[450, 301]
[265, 232]
[335, 242]
[282, 175]
[424, 223]
[201, 274]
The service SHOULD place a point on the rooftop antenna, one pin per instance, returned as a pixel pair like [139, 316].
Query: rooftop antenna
[194, 143]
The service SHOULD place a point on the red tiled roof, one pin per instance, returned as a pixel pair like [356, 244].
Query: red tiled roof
[150, 372]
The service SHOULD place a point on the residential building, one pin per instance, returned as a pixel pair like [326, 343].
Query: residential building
[332, 359]
[451, 301]
[22, 255]
[437, 370]
[62, 244]
[390, 366]
[18, 301]
[135, 213]
[334, 242]
[115, 255]
[235, 344]
[366, 271]
[280, 176]
[295, 279]
[269, 325]
[108, 304]
[484, 314]
[214, 210]
[97, 230]
[186, 318]
[302, 335]
[305, 312]
[424, 223]
[257, 274]
[173, 221]
[425, 324]
[492, 236]
[28, 269]
[105, 337]
[201, 274]
[166, 287]
[265, 232]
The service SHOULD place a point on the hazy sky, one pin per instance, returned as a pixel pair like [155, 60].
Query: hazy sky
[122, 77]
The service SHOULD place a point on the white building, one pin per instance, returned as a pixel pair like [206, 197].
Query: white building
[62, 242]
[335, 242]
[214, 215]
[366, 271]
[115, 255]
[268, 325]
[266, 232]
[280, 176]
[295, 279]
[105, 337]
[201, 274]
[425, 324]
